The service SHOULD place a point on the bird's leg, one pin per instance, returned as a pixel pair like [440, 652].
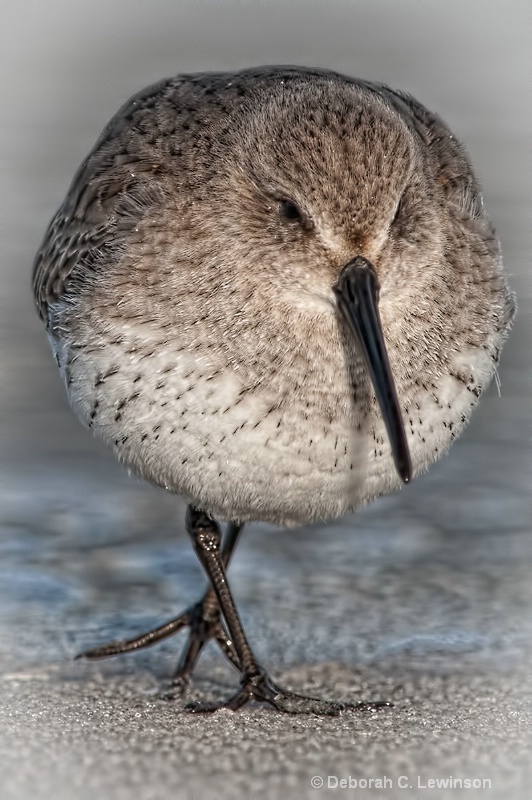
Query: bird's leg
[206, 622]
[203, 619]
[255, 683]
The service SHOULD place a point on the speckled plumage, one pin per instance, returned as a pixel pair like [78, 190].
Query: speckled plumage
[196, 328]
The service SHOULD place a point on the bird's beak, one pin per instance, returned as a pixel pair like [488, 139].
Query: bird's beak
[357, 292]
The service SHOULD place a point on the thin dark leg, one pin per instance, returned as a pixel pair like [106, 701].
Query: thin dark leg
[203, 619]
[208, 623]
[255, 683]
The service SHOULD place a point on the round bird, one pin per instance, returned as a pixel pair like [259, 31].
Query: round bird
[276, 293]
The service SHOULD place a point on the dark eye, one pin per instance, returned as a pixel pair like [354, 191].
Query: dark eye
[398, 212]
[403, 224]
[290, 211]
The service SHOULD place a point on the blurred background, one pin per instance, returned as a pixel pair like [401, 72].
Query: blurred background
[434, 578]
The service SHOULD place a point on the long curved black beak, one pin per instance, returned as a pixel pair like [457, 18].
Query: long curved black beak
[357, 292]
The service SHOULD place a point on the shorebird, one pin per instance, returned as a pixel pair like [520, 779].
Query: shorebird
[275, 292]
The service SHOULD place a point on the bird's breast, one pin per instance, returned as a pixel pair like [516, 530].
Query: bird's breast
[287, 436]
[234, 443]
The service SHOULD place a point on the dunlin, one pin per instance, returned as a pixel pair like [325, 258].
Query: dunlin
[275, 292]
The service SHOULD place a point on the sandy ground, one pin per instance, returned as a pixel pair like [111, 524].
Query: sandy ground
[112, 738]
[423, 599]
[415, 600]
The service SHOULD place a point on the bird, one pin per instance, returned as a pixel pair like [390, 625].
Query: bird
[276, 293]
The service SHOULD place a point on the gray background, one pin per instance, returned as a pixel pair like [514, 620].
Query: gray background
[425, 598]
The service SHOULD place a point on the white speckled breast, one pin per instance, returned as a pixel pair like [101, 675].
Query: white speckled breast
[180, 420]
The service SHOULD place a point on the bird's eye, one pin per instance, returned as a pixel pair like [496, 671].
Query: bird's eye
[290, 211]
[404, 221]
[398, 211]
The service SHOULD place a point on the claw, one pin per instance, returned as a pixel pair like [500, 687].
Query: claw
[260, 688]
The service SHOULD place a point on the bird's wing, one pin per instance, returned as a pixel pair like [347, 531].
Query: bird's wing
[110, 191]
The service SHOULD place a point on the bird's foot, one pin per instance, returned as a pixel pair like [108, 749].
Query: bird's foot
[260, 688]
[205, 623]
